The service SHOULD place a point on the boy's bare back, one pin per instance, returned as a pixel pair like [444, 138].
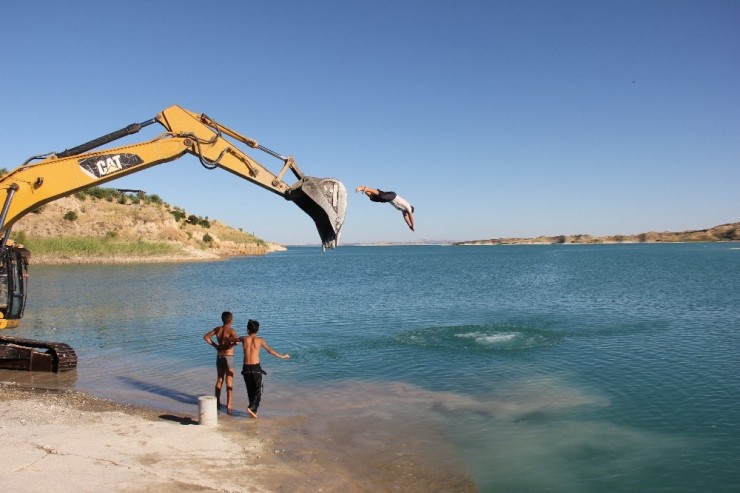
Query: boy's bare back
[252, 345]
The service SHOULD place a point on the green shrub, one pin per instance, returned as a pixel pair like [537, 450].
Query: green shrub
[70, 216]
[19, 237]
[108, 194]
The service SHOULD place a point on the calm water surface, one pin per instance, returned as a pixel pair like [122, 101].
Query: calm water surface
[566, 368]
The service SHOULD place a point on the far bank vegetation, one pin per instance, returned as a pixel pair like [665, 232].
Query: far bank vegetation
[110, 225]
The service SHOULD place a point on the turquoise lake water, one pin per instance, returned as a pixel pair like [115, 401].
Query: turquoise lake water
[565, 368]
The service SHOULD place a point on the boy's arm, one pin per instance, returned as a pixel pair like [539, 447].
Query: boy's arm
[231, 339]
[273, 352]
[208, 338]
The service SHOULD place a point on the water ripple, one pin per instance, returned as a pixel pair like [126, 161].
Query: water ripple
[486, 337]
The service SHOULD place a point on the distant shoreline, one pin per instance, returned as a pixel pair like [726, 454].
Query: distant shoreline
[524, 242]
[724, 232]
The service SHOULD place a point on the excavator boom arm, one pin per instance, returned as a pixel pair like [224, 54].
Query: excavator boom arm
[59, 175]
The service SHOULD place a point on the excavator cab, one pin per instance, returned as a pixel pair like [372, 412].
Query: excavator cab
[17, 353]
[13, 288]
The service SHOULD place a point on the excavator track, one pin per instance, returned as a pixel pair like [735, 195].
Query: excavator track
[63, 357]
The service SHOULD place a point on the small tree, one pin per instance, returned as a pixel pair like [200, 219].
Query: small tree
[177, 214]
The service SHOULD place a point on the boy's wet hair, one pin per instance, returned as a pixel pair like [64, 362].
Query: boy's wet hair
[227, 317]
[253, 326]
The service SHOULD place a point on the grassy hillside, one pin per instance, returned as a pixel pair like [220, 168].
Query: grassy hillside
[105, 225]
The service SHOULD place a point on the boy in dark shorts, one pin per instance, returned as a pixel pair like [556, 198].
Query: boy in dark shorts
[252, 371]
[225, 341]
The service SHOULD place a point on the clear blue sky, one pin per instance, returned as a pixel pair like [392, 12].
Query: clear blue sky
[494, 118]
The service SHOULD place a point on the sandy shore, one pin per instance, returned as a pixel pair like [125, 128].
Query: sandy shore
[68, 441]
[63, 440]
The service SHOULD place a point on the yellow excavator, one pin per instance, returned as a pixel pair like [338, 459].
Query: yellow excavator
[42, 179]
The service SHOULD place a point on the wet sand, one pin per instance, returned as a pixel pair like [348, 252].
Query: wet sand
[71, 441]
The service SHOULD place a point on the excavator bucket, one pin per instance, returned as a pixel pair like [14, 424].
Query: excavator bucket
[325, 200]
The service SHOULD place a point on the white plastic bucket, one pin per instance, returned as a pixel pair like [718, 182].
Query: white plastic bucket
[207, 410]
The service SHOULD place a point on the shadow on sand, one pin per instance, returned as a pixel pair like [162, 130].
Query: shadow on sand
[161, 391]
[183, 420]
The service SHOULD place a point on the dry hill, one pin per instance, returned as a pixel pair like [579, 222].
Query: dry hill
[107, 217]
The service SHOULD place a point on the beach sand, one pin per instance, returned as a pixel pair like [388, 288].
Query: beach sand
[65, 440]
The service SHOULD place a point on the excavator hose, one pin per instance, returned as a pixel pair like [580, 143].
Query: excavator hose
[129, 130]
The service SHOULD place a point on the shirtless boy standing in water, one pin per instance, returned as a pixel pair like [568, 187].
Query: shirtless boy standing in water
[225, 341]
[252, 370]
